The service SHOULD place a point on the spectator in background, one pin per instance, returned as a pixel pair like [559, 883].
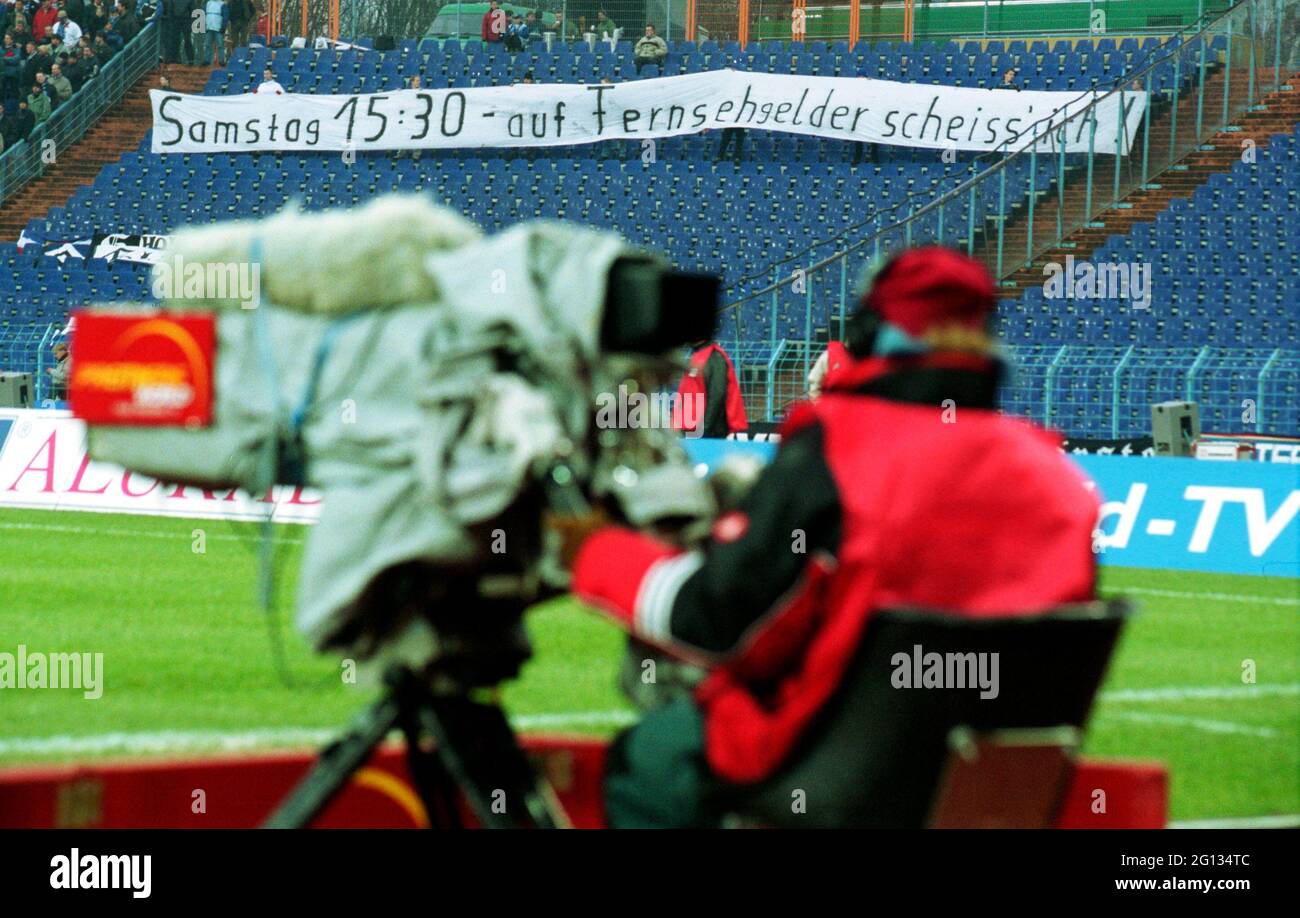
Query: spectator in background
[124, 22]
[78, 11]
[243, 13]
[213, 43]
[104, 50]
[603, 26]
[262, 26]
[67, 30]
[563, 30]
[60, 85]
[175, 20]
[650, 49]
[112, 39]
[96, 18]
[192, 36]
[43, 84]
[71, 65]
[732, 137]
[8, 129]
[89, 63]
[495, 23]
[864, 150]
[23, 120]
[415, 83]
[516, 34]
[38, 103]
[35, 61]
[1009, 80]
[269, 86]
[21, 27]
[44, 18]
[11, 67]
[61, 369]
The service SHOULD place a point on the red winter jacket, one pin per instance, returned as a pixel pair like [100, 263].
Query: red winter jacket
[494, 25]
[901, 501]
[42, 19]
[709, 400]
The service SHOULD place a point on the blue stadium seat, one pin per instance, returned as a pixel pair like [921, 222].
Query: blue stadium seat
[788, 194]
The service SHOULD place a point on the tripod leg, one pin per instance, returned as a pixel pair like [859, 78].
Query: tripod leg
[436, 786]
[478, 748]
[335, 766]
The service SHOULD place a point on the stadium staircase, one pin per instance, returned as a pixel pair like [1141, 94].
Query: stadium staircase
[1275, 113]
[120, 130]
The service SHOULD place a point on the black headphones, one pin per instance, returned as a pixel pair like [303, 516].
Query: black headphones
[860, 332]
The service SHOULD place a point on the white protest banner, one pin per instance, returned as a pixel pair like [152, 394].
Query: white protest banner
[111, 247]
[875, 111]
[144, 249]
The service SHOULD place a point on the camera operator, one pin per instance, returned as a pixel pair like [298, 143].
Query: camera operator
[901, 486]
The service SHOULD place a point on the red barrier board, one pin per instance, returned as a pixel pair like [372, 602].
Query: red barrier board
[240, 792]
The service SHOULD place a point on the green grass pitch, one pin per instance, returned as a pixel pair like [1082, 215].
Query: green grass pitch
[188, 670]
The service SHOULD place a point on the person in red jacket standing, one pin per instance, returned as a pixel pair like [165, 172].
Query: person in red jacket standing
[493, 27]
[43, 20]
[709, 401]
[902, 486]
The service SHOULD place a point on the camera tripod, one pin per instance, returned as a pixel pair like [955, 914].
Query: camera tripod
[457, 748]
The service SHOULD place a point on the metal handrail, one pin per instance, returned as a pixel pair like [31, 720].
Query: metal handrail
[1007, 156]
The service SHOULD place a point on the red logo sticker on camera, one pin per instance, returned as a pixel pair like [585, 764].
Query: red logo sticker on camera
[146, 370]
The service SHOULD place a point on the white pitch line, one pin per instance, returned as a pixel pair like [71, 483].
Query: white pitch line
[1204, 693]
[164, 741]
[143, 534]
[1281, 821]
[233, 741]
[1215, 597]
[561, 721]
[1196, 723]
[170, 741]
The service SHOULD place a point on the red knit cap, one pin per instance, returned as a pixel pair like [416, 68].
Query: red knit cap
[929, 286]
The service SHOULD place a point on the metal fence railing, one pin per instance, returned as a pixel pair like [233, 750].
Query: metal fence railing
[27, 348]
[1086, 391]
[746, 21]
[936, 20]
[772, 378]
[365, 20]
[1014, 205]
[1103, 392]
[69, 122]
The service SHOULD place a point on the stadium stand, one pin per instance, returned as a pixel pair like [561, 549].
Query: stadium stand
[1232, 318]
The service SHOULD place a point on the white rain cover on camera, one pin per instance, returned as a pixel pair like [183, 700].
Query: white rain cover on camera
[418, 418]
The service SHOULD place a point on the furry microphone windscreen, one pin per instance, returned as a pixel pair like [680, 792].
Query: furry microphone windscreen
[325, 262]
